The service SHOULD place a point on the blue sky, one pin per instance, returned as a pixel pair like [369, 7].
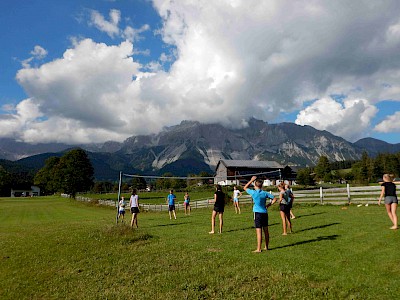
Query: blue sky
[90, 71]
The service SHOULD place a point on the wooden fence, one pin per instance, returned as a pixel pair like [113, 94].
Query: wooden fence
[340, 196]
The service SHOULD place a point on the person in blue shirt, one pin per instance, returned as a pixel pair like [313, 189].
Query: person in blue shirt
[260, 210]
[171, 204]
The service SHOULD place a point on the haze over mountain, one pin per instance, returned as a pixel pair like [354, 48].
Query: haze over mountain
[192, 147]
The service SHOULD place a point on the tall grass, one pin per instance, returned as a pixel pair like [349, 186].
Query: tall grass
[55, 248]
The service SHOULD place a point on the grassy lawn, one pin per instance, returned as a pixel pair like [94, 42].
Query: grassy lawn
[53, 248]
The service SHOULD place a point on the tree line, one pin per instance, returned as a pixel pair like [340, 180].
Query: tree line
[364, 171]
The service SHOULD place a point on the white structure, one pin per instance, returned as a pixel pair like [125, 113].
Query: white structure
[33, 191]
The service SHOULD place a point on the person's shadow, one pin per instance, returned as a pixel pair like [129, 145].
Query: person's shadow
[318, 239]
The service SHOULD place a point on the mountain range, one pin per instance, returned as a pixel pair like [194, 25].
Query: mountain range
[193, 147]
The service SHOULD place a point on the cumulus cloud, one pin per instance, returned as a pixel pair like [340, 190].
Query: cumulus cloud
[390, 124]
[37, 53]
[350, 119]
[233, 60]
[112, 27]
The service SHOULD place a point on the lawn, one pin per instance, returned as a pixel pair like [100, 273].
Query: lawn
[53, 248]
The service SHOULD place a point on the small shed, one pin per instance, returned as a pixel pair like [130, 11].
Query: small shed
[25, 191]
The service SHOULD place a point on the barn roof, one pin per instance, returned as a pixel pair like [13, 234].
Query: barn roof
[254, 164]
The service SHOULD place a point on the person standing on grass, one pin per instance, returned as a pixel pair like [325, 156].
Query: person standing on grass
[219, 206]
[171, 204]
[260, 210]
[121, 209]
[236, 195]
[134, 205]
[284, 208]
[391, 201]
[291, 199]
[186, 203]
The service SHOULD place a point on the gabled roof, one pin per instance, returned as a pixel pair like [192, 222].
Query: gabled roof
[254, 164]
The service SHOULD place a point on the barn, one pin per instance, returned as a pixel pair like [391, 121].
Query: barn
[230, 172]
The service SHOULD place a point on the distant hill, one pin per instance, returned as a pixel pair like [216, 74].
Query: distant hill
[375, 146]
[193, 147]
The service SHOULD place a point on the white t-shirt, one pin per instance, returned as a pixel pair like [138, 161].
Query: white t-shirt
[236, 193]
[134, 200]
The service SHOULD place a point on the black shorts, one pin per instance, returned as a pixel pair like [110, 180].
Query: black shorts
[135, 210]
[219, 209]
[260, 220]
[171, 207]
[121, 212]
[285, 208]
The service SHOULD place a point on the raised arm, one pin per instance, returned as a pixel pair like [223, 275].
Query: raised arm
[250, 182]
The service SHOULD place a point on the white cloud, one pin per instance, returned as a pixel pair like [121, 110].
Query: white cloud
[233, 60]
[39, 52]
[390, 124]
[109, 27]
[349, 120]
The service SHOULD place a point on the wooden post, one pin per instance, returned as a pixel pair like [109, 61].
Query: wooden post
[321, 195]
[348, 193]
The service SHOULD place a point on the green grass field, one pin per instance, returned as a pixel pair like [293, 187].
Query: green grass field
[54, 248]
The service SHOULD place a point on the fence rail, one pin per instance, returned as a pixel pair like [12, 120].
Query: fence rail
[355, 195]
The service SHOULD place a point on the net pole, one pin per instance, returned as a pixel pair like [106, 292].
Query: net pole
[119, 195]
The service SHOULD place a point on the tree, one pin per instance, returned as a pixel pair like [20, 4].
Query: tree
[304, 177]
[5, 182]
[323, 169]
[76, 172]
[48, 178]
[70, 174]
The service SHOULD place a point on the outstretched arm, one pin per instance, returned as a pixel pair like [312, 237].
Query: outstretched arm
[250, 182]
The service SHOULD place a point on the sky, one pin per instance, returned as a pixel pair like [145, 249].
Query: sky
[90, 71]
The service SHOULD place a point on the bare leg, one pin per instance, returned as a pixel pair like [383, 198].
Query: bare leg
[174, 214]
[259, 240]
[389, 212]
[283, 217]
[221, 221]
[266, 234]
[394, 215]
[170, 217]
[237, 204]
[214, 213]
[292, 216]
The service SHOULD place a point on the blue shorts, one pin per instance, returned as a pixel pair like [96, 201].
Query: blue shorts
[260, 220]
[171, 207]
[235, 199]
[121, 212]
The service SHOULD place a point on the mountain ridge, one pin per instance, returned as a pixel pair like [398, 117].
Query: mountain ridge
[193, 147]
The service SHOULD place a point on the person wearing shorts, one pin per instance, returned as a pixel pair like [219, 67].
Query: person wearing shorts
[284, 208]
[121, 209]
[389, 194]
[171, 204]
[236, 195]
[219, 206]
[260, 210]
[134, 205]
[186, 204]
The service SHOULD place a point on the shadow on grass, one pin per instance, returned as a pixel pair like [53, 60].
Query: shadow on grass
[247, 228]
[318, 239]
[317, 227]
[309, 215]
[171, 224]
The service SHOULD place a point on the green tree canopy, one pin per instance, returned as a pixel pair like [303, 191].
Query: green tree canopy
[70, 174]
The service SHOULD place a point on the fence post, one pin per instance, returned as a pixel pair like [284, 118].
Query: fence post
[321, 195]
[348, 193]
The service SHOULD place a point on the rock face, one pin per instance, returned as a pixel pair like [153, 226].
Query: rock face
[206, 144]
[192, 147]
